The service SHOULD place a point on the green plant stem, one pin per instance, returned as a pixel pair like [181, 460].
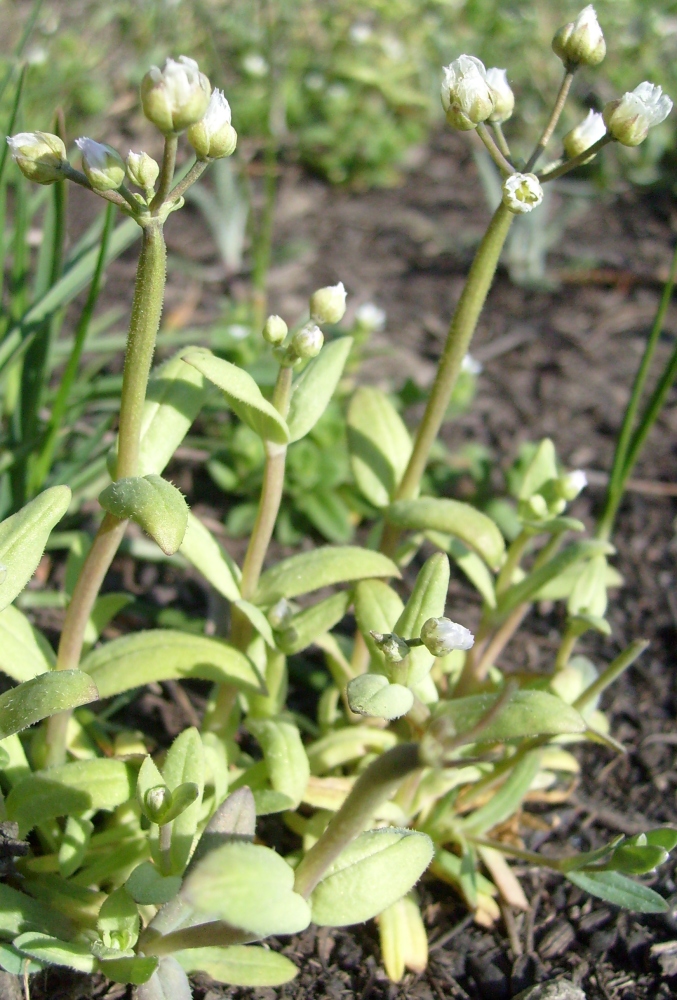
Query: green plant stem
[475, 667]
[376, 785]
[143, 328]
[513, 559]
[517, 852]
[77, 177]
[560, 101]
[614, 670]
[572, 634]
[461, 330]
[575, 161]
[68, 377]
[497, 155]
[191, 177]
[501, 140]
[628, 447]
[166, 171]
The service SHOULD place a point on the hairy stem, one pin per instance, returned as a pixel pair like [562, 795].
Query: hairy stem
[166, 171]
[560, 101]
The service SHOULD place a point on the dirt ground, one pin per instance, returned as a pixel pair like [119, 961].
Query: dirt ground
[558, 361]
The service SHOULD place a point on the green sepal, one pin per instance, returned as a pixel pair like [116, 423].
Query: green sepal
[239, 965]
[379, 445]
[43, 696]
[315, 386]
[452, 517]
[321, 567]
[632, 859]
[23, 537]
[152, 503]
[374, 695]
[149, 777]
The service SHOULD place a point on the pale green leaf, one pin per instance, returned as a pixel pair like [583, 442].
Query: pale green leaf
[74, 844]
[51, 951]
[202, 550]
[312, 622]
[239, 965]
[452, 517]
[377, 608]
[20, 913]
[175, 395]
[284, 755]
[243, 395]
[104, 611]
[135, 970]
[506, 800]
[315, 386]
[526, 713]
[374, 695]
[185, 763]
[469, 562]
[43, 696]
[154, 504]
[321, 567]
[23, 537]
[168, 982]
[257, 618]
[427, 600]
[379, 445]
[541, 469]
[24, 652]
[167, 654]
[148, 886]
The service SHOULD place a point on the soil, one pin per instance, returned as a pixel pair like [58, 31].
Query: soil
[558, 361]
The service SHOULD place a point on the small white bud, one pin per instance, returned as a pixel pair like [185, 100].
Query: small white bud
[328, 305]
[274, 330]
[581, 42]
[213, 136]
[102, 165]
[393, 647]
[571, 484]
[307, 342]
[142, 170]
[585, 135]
[441, 636]
[38, 155]
[280, 615]
[471, 365]
[504, 99]
[630, 118]
[370, 316]
[175, 96]
[522, 193]
[467, 98]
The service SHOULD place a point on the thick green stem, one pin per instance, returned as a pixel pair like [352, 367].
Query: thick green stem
[560, 101]
[462, 328]
[626, 449]
[375, 786]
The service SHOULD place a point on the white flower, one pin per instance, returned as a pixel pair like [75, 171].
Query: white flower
[370, 316]
[328, 305]
[254, 64]
[571, 484]
[307, 342]
[102, 165]
[584, 135]
[175, 96]
[467, 98]
[630, 118]
[581, 42]
[471, 365]
[214, 137]
[504, 99]
[522, 193]
[142, 170]
[441, 636]
[38, 155]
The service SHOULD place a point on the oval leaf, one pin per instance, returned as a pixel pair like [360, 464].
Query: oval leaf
[372, 694]
[154, 504]
[202, 550]
[147, 886]
[184, 769]
[315, 386]
[379, 445]
[377, 869]
[23, 537]
[452, 517]
[284, 754]
[312, 622]
[51, 951]
[377, 608]
[44, 696]
[616, 888]
[167, 654]
[526, 713]
[321, 567]
[168, 982]
[24, 652]
[243, 395]
[239, 965]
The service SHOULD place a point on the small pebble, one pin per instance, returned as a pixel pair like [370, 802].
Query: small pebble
[557, 940]
[560, 989]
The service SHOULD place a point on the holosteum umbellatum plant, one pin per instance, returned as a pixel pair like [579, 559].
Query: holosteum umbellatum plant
[147, 869]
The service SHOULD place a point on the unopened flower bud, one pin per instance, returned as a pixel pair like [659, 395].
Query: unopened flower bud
[585, 135]
[213, 136]
[274, 330]
[38, 155]
[571, 484]
[441, 636]
[280, 615]
[157, 802]
[630, 118]
[142, 170]
[175, 96]
[522, 193]
[581, 42]
[102, 165]
[328, 305]
[307, 342]
[504, 99]
[393, 647]
[467, 98]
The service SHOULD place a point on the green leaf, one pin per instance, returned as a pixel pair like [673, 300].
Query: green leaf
[427, 600]
[119, 921]
[377, 608]
[526, 713]
[24, 651]
[344, 745]
[469, 562]
[185, 764]
[268, 802]
[73, 788]
[104, 611]
[315, 386]
[51, 951]
[147, 886]
[663, 836]
[74, 844]
[175, 395]
[589, 596]
[328, 513]
[235, 819]
[239, 965]
[561, 586]
[136, 970]
[248, 886]
[379, 445]
[17, 964]
[257, 618]
[505, 800]
[43, 696]
[616, 888]
[631, 859]
[19, 913]
[541, 469]
[166, 654]
[321, 567]
[168, 982]
[312, 622]
[374, 695]
[202, 550]
[23, 537]
[154, 504]
[378, 868]
[452, 517]
[243, 395]
[284, 754]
